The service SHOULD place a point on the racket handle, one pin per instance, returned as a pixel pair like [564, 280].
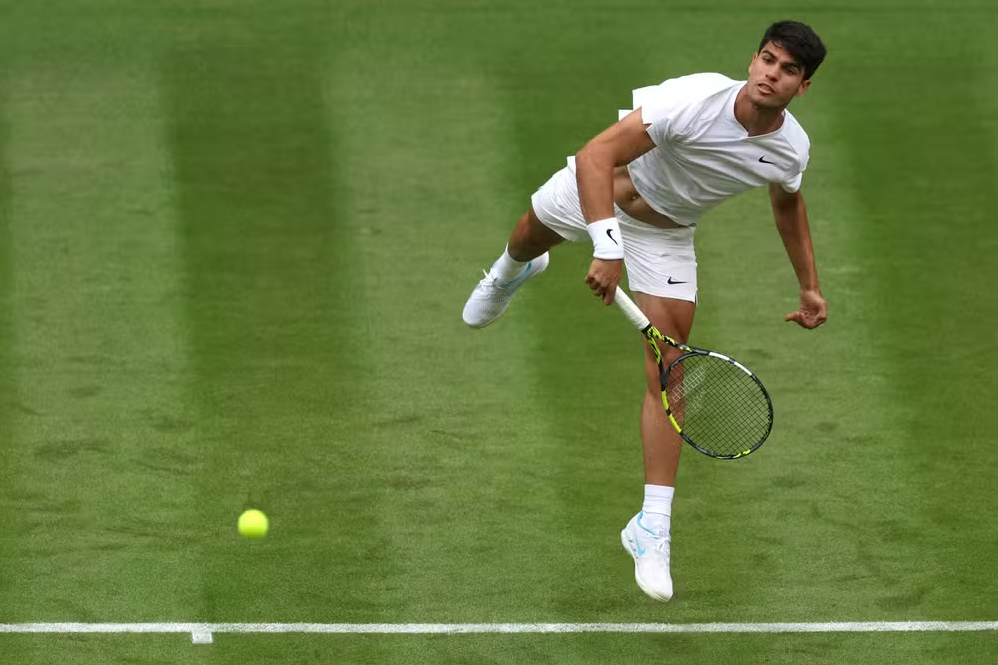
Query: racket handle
[631, 310]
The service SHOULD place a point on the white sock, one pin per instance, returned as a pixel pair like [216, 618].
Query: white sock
[657, 507]
[507, 268]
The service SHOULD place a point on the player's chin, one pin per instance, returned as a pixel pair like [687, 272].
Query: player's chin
[769, 102]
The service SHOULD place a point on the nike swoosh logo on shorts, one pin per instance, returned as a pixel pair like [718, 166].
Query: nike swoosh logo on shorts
[672, 281]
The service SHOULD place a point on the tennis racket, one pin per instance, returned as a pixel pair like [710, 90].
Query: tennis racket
[717, 405]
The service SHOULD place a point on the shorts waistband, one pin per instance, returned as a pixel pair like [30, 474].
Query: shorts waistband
[679, 233]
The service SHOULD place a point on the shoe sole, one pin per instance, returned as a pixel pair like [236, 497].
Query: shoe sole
[631, 548]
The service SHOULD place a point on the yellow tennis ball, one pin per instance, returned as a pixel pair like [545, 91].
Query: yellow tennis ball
[253, 524]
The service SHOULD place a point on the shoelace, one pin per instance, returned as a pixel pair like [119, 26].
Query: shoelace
[661, 545]
[490, 281]
[487, 281]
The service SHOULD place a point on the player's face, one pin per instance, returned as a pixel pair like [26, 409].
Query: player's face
[775, 77]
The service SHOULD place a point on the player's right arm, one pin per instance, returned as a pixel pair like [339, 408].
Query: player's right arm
[618, 145]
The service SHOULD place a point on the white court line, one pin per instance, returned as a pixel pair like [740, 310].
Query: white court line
[202, 633]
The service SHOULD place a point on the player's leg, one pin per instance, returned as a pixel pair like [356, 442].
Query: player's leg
[647, 537]
[661, 273]
[554, 215]
[525, 257]
[661, 443]
[529, 242]
[530, 238]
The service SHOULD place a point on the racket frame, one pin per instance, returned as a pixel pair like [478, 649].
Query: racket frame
[653, 336]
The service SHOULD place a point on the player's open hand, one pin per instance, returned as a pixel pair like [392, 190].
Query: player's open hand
[813, 310]
[603, 277]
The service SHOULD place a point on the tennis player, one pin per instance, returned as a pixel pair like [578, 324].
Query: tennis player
[636, 191]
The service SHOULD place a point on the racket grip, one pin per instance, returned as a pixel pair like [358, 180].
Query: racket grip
[631, 310]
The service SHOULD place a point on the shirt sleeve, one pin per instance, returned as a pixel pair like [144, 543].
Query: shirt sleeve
[657, 104]
[792, 186]
[648, 99]
[661, 104]
[802, 146]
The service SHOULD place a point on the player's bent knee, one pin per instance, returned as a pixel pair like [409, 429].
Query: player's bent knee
[652, 374]
[531, 238]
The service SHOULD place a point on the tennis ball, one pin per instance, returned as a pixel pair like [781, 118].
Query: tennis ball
[253, 524]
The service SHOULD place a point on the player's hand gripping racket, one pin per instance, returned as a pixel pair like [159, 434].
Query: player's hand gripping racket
[715, 403]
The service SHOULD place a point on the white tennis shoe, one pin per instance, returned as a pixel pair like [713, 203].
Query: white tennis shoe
[491, 297]
[650, 551]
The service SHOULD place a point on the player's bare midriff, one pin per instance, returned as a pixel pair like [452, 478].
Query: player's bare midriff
[628, 199]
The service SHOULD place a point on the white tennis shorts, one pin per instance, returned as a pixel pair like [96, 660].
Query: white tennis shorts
[659, 262]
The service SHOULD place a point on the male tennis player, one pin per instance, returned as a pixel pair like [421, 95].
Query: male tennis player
[637, 191]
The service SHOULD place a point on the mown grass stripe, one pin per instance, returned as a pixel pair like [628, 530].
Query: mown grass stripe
[9, 507]
[101, 474]
[462, 456]
[278, 375]
[927, 261]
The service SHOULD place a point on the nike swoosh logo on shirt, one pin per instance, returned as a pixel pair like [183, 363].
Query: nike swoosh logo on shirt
[766, 161]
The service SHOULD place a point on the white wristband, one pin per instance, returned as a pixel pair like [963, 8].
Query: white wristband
[606, 239]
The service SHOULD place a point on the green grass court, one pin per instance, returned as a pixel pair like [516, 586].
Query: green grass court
[235, 240]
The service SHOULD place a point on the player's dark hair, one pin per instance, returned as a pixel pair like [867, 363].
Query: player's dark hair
[798, 40]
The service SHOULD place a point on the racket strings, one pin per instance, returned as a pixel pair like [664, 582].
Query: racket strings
[729, 431]
[719, 406]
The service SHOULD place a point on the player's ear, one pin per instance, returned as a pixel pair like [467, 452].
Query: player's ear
[804, 86]
[752, 61]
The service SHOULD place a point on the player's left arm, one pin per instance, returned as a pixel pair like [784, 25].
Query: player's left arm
[791, 221]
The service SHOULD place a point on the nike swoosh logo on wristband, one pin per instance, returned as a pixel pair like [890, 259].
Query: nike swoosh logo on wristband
[609, 233]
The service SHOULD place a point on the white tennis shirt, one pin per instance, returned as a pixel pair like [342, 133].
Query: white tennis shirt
[703, 156]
